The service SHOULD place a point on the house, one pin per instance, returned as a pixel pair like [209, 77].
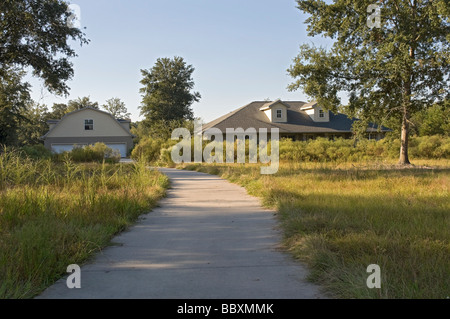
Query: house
[295, 120]
[88, 126]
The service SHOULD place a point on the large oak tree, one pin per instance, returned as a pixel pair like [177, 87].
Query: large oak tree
[35, 34]
[390, 71]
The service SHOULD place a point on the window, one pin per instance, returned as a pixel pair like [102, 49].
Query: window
[279, 114]
[88, 125]
[321, 113]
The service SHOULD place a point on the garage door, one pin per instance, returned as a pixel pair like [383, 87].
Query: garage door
[122, 148]
[59, 148]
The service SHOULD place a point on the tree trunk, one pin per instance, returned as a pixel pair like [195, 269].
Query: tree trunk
[404, 159]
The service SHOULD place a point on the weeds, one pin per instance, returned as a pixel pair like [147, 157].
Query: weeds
[340, 218]
[56, 214]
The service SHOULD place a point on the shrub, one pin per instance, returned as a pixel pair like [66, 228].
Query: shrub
[148, 149]
[324, 150]
[430, 147]
[91, 153]
[36, 151]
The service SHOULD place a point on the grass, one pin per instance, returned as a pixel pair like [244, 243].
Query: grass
[56, 214]
[340, 218]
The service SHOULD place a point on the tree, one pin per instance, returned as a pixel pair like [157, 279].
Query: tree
[34, 126]
[81, 103]
[167, 92]
[391, 71]
[35, 34]
[117, 108]
[59, 110]
[14, 100]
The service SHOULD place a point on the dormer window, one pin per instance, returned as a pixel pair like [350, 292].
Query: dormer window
[276, 111]
[321, 114]
[279, 114]
[89, 125]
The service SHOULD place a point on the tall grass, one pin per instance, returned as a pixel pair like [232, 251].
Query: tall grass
[56, 214]
[339, 219]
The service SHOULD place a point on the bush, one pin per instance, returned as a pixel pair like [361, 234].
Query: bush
[318, 150]
[148, 149]
[36, 151]
[340, 150]
[430, 147]
[91, 153]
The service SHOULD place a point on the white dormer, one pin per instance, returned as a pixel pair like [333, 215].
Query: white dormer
[276, 111]
[315, 112]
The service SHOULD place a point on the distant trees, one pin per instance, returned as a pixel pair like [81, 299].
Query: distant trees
[34, 126]
[61, 109]
[14, 100]
[117, 108]
[433, 121]
[81, 103]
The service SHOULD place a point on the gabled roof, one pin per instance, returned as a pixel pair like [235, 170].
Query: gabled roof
[309, 105]
[58, 122]
[251, 116]
[270, 104]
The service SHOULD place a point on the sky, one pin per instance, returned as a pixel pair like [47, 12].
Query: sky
[240, 50]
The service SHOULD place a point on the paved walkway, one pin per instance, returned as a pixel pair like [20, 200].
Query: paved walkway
[208, 239]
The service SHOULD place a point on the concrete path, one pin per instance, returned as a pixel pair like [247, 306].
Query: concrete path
[208, 239]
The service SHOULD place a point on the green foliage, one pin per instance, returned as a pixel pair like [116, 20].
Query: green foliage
[34, 125]
[389, 72]
[430, 147]
[37, 151]
[36, 34]
[116, 108]
[61, 109]
[148, 150]
[320, 150]
[339, 219]
[14, 101]
[56, 214]
[154, 151]
[167, 93]
[81, 103]
[434, 120]
[342, 150]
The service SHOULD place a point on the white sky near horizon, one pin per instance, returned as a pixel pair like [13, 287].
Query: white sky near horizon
[240, 50]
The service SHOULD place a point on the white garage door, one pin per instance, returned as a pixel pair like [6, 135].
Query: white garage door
[122, 148]
[59, 148]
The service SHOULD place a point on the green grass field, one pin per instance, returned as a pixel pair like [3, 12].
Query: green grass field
[53, 215]
[340, 218]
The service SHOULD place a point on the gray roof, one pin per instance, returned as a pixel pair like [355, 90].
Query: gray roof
[250, 116]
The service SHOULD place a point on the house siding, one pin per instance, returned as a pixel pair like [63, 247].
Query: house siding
[73, 125]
